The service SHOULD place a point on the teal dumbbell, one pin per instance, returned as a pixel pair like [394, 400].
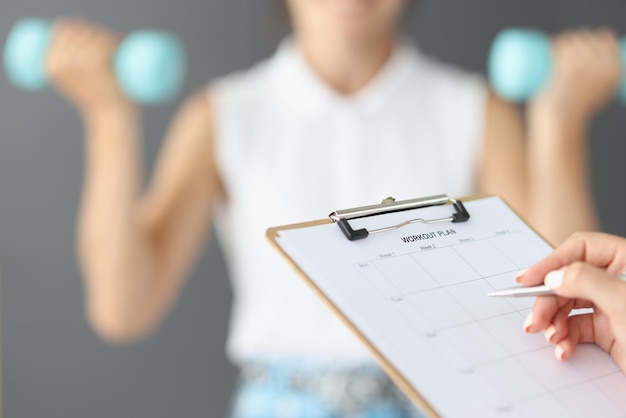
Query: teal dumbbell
[520, 63]
[149, 65]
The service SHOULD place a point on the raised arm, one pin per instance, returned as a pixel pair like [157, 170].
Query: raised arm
[134, 248]
[587, 70]
[542, 170]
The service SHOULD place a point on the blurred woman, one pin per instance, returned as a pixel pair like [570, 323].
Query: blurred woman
[346, 112]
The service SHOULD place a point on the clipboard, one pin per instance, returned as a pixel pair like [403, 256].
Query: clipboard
[304, 246]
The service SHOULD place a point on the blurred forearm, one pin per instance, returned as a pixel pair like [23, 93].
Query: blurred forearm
[560, 198]
[112, 251]
[587, 70]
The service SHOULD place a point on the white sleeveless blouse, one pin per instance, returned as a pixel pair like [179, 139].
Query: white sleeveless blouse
[290, 149]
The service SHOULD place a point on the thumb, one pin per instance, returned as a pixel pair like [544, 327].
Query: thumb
[580, 280]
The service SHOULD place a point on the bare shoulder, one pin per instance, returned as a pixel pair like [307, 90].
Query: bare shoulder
[500, 110]
[197, 108]
[502, 171]
[187, 156]
[192, 128]
[503, 121]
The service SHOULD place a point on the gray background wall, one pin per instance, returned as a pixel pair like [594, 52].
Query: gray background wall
[54, 366]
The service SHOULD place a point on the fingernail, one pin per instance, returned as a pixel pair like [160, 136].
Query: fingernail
[518, 277]
[559, 352]
[528, 322]
[549, 333]
[554, 279]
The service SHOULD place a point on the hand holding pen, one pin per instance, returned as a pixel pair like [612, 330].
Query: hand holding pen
[583, 273]
[531, 291]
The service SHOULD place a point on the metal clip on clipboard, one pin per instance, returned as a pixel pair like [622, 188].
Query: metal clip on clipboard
[389, 205]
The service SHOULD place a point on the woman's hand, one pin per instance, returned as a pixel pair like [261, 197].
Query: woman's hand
[79, 63]
[582, 273]
[586, 72]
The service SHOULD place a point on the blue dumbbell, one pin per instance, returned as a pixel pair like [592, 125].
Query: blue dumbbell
[520, 62]
[149, 65]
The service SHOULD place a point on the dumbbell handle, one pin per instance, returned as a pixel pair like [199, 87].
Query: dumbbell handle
[520, 64]
[149, 65]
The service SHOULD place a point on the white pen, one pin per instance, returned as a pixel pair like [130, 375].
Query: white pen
[524, 291]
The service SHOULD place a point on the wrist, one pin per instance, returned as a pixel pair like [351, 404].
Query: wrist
[115, 113]
[558, 130]
[545, 123]
[560, 110]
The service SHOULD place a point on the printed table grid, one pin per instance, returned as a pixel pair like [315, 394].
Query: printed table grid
[449, 281]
